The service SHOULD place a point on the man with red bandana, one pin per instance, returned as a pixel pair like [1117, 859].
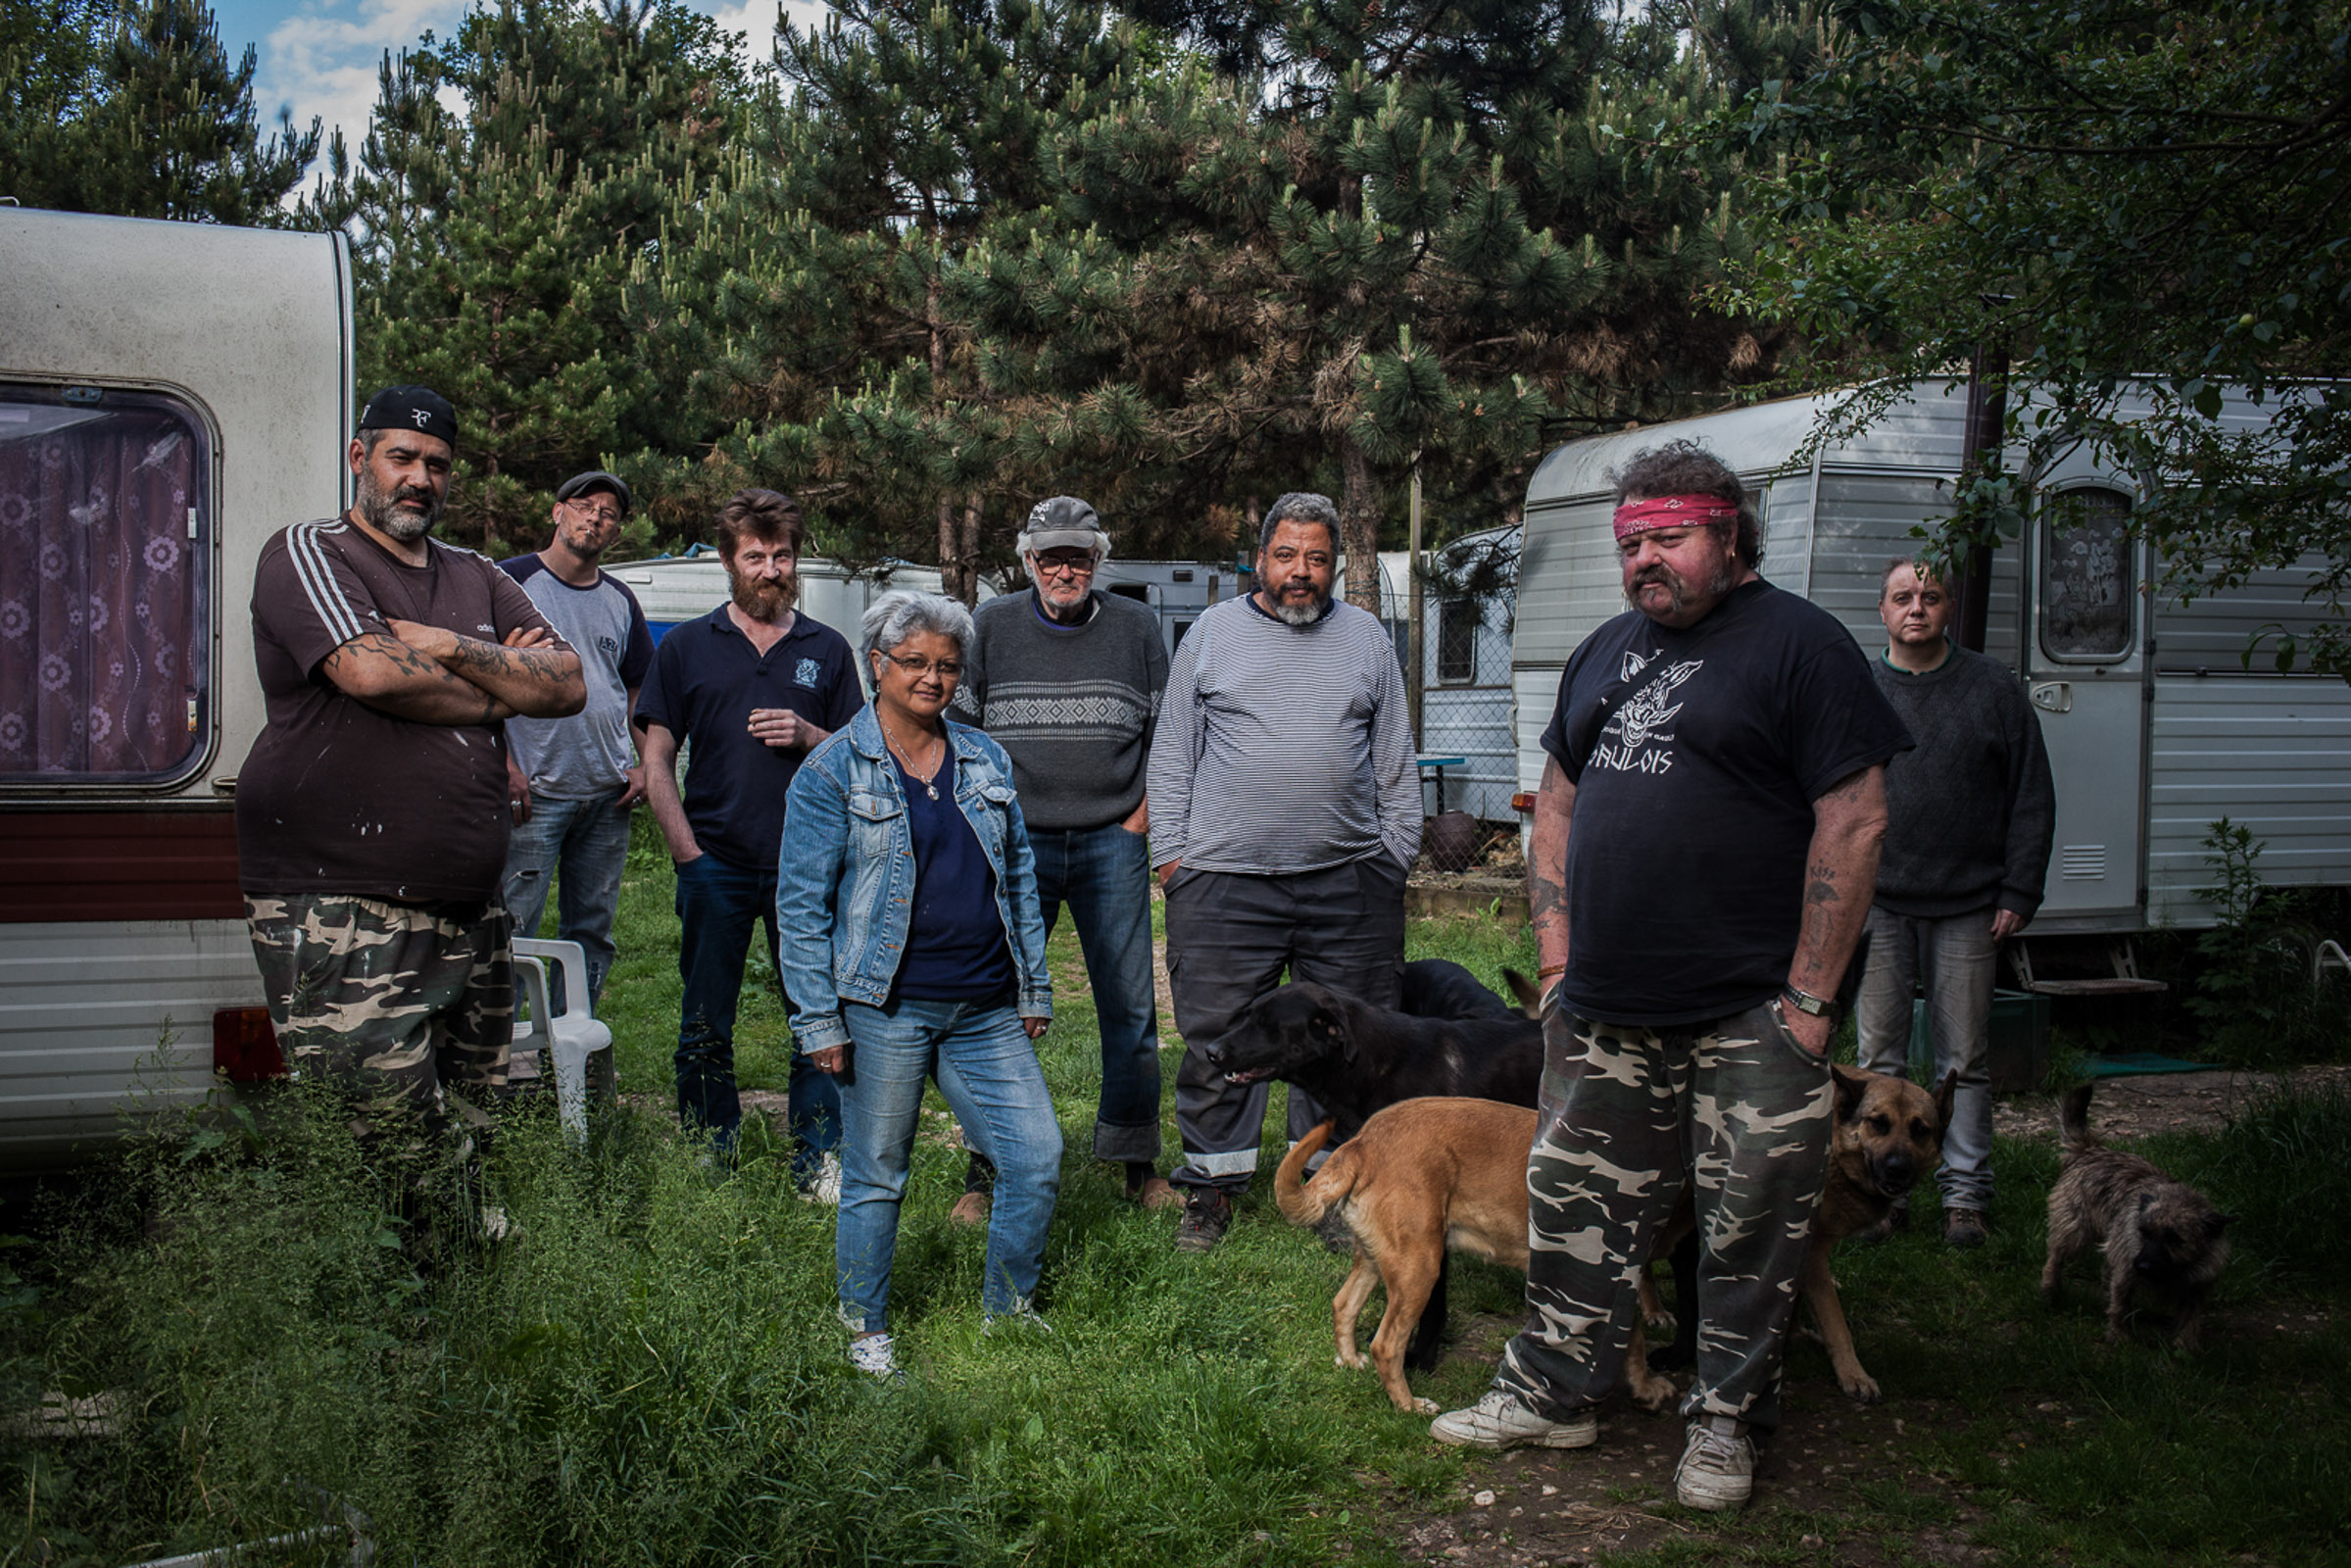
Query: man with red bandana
[1704, 846]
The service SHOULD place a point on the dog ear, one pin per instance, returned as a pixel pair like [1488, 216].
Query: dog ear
[1945, 1098]
[1850, 1086]
[1525, 993]
[1325, 1026]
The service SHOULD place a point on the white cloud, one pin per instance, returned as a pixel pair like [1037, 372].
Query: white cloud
[323, 61]
[755, 20]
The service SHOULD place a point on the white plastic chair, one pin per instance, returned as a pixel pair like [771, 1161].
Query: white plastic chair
[573, 1040]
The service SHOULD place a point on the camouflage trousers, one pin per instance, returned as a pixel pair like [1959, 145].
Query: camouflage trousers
[1740, 1111]
[392, 1003]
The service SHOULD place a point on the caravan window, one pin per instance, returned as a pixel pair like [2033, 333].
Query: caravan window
[1458, 621]
[2088, 586]
[105, 528]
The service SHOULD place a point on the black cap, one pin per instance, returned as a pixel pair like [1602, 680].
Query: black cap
[1064, 522]
[579, 484]
[411, 408]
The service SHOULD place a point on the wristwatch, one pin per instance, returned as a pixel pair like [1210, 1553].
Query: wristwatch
[1806, 1002]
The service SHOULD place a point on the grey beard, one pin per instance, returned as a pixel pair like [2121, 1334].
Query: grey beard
[1301, 615]
[1724, 581]
[379, 509]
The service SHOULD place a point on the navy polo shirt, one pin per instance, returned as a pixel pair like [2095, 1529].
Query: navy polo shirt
[705, 681]
[955, 947]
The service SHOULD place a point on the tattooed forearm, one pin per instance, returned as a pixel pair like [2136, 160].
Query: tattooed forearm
[1547, 867]
[395, 678]
[541, 682]
[1840, 875]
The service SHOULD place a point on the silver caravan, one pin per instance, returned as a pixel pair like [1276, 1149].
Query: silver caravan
[2155, 727]
[169, 394]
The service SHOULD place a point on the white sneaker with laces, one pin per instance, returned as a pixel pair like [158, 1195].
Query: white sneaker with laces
[1500, 1421]
[1718, 1465]
[876, 1354]
[825, 1186]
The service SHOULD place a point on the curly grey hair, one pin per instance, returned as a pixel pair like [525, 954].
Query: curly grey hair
[1299, 506]
[901, 612]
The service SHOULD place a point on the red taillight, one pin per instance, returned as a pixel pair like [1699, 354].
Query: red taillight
[1522, 802]
[245, 1047]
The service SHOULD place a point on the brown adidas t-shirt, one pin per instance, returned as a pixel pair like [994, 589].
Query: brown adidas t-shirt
[338, 796]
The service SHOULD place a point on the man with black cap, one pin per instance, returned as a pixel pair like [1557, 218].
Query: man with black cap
[571, 781]
[372, 813]
[1067, 679]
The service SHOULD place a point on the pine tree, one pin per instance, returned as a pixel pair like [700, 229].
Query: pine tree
[139, 112]
[497, 242]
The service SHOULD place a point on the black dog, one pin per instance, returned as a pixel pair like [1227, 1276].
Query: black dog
[1355, 1058]
[1439, 988]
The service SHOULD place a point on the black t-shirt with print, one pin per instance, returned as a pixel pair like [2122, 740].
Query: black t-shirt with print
[1697, 755]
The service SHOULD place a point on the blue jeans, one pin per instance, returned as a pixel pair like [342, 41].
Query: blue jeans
[1955, 960]
[987, 1069]
[1103, 875]
[716, 905]
[587, 841]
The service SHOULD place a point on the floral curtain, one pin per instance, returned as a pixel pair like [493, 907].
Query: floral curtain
[101, 591]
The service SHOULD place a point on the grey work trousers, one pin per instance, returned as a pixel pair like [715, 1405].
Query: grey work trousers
[1230, 938]
[1956, 960]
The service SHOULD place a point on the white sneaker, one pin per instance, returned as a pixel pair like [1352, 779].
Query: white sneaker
[1718, 1465]
[825, 1186]
[875, 1356]
[1022, 1321]
[1500, 1421]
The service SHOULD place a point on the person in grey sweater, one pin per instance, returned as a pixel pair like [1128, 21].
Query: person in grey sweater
[1067, 680]
[1285, 811]
[1971, 812]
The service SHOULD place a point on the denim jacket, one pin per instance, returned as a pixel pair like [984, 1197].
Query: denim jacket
[844, 879]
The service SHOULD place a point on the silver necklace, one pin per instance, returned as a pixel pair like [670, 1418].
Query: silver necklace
[924, 779]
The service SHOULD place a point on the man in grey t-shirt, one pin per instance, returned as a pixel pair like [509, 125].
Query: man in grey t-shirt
[571, 782]
[1285, 809]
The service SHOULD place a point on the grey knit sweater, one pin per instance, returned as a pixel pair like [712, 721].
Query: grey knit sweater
[1972, 809]
[1072, 706]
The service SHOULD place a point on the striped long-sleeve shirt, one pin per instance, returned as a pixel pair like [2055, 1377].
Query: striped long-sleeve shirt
[1283, 749]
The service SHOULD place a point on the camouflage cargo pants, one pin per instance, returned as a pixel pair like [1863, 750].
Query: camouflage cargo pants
[391, 1002]
[1624, 1113]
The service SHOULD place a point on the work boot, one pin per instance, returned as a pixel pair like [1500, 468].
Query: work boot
[1146, 1187]
[1500, 1421]
[1207, 1216]
[1964, 1228]
[1718, 1465]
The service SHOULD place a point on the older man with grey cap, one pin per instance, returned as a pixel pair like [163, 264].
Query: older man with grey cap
[1067, 679]
[1285, 809]
[571, 782]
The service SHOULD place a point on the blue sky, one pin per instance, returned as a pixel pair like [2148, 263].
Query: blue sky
[320, 56]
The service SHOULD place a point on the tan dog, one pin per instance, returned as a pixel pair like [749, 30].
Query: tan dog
[1885, 1135]
[1422, 1175]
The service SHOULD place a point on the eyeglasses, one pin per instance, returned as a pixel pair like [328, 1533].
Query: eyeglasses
[918, 666]
[1064, 566]
[599, 515]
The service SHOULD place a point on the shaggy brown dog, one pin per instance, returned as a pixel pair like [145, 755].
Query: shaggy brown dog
[2156, 1231]
[1886, 1134]
[1421, 1176]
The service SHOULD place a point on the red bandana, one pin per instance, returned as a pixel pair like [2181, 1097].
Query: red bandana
[1671, 511]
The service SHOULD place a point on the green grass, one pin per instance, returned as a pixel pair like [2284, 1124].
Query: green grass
[652, 1372]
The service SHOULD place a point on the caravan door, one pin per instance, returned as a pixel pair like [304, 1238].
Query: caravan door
[2085, 672]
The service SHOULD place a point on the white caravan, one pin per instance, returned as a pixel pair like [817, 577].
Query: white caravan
[2154, 725]
[169, 395]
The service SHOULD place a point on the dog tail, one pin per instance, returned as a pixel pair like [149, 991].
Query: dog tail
[2073, 1120]
[1292, 1194]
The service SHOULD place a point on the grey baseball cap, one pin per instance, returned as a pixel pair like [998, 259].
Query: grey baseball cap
[1063, 522]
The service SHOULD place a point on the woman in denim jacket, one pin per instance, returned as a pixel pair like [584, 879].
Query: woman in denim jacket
[911, 943]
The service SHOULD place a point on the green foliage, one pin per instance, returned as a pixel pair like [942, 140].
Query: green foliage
[2254, 994]
[2280, 1167]
[2139, 205]
[137, 111]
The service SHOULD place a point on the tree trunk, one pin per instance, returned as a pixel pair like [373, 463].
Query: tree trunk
[1360, 527]
[967, 584]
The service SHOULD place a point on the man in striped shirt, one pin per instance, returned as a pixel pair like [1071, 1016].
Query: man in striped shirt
[1285, 809]
[372, 813]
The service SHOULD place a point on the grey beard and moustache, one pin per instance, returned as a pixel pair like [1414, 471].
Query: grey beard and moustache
[1724, 581]
[379, 509]
[762, 599]
[1305, 614]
